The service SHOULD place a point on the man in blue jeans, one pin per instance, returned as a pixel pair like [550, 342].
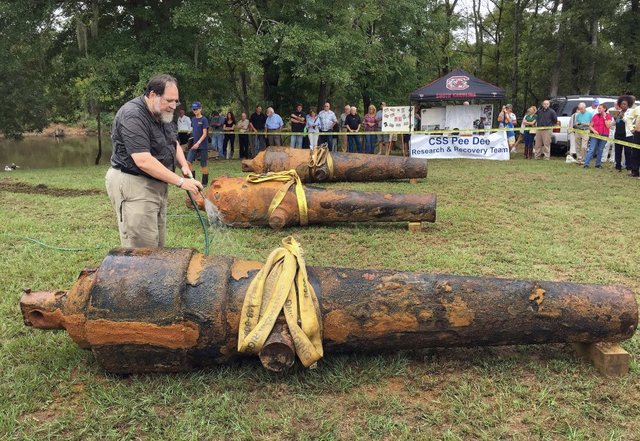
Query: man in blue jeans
[298, 121]
[216, 123]
[200, 127]
[257, 124]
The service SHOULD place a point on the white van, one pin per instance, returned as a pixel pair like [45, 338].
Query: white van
[564, 107]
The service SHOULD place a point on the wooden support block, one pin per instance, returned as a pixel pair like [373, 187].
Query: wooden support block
[610, 359]
[413, 180]
[415, 226]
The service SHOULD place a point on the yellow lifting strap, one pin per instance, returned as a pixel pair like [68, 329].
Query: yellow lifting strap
[289, 178]
[319, 156]
[286, 274]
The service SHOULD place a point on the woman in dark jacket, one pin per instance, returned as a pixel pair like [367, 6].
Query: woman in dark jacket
[229, 136]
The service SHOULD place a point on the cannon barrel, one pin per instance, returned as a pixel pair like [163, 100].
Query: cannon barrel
[167, 310]
[238, 203]
[354, 167]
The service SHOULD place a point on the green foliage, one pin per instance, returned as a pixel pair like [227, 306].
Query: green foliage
[25, 34]
[69, 60]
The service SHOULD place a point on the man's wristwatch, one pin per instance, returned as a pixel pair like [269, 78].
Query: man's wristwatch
[180, 182]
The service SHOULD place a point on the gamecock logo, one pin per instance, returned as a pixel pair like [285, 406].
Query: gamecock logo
[457, 82]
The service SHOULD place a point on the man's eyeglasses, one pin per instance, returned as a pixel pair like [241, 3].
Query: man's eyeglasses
[176, 102]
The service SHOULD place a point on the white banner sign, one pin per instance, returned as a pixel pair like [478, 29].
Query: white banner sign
[493, 146]
[397, 118]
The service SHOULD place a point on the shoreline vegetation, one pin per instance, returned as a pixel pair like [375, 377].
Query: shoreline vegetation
[67, 130]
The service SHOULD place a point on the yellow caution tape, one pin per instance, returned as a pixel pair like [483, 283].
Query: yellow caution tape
[468, 131]
[320, 156]
[480, 131]
[291, 292]
[606, 138]
[289, 178]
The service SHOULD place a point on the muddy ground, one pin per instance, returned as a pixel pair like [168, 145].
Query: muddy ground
[22, 187]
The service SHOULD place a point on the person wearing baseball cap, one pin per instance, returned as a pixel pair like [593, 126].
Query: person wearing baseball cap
[143, 161]
[200, 126]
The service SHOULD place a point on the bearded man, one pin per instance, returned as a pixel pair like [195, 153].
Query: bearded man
[145, 153]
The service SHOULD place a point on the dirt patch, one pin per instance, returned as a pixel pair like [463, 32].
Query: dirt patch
[22, 187]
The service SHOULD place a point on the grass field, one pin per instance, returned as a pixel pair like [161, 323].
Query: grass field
[542, 220]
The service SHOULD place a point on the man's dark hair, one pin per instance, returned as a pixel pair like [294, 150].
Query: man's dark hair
[630, 99]
[158, 83]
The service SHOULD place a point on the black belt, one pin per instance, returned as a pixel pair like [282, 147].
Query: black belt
[129, 172]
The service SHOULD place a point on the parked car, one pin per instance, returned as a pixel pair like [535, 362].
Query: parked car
[564, 107]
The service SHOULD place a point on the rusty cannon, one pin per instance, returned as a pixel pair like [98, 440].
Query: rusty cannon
[236, 202]
[321, 166]
[168, 310]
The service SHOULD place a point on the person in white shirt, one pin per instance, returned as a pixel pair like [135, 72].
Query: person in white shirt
[184, 129]
[327, 119]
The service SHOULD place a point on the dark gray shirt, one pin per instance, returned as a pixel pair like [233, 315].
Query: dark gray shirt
[547, 117]
[135, 130]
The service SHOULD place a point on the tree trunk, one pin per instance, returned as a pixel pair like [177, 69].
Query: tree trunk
[95, 12]
[445, 66]
[518, 8]
[498, 41]
[244, 99]
[557, 64]
[323, 93]
[594, 56]
[99, 120]
[477, 24]
[366, 101]
[527, 63]
[270, 78]
[632, 67]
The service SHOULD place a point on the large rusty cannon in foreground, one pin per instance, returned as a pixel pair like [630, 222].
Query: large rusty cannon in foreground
[341, 167]
[167, 310]
[236, 202]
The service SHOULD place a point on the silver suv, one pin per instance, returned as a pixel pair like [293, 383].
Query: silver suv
[564, 107]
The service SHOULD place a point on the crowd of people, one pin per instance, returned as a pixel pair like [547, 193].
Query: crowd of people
[355, 133]
[620, 123]
[537, 141]
[146, 151]
[308, 130]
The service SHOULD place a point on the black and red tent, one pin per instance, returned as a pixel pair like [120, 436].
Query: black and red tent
[457, 85]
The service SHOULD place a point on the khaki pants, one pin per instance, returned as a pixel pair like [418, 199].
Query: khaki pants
[582, 142]
[343, 141]
[140, 204]
[273, 137]
[543, 144]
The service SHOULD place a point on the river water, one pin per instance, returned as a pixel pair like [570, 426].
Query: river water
[49, 152]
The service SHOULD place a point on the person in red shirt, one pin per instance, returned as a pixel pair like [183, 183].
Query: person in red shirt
[600, 125]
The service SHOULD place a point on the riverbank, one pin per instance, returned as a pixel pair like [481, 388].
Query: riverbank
[59, 129]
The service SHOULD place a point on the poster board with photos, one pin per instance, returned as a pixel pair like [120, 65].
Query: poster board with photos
[397, 118]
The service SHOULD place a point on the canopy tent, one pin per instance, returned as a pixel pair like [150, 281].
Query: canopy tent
[457, 85]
